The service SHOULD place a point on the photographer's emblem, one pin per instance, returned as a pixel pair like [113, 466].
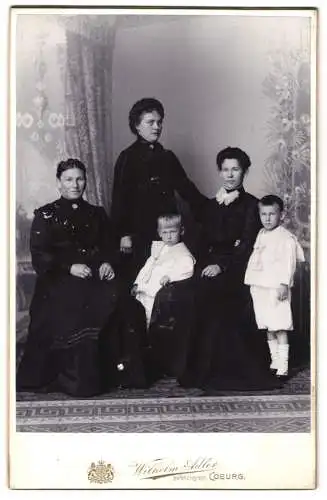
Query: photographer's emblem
[100, 473]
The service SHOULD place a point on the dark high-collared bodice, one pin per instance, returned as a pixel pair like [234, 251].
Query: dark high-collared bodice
[146, 178]
[69, 232]
[229, 231]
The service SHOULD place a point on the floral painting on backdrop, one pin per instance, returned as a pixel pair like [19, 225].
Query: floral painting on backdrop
[288, 165]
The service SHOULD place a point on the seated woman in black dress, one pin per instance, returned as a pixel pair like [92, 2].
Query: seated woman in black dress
[75, 291]
[227, 352]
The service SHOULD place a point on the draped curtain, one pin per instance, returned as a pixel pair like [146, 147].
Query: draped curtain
[88, 88]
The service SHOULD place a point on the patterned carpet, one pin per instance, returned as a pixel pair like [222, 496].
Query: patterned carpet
[282, 413]
[166, 407]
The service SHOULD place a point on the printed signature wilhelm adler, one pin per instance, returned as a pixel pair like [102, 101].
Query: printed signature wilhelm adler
[165, 467]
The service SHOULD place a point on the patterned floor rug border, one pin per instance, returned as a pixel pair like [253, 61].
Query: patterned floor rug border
[262, 413]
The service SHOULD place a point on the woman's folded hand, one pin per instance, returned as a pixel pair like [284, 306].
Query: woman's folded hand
[81, 271]
[211, 271]
[126, 245]
[106, 272]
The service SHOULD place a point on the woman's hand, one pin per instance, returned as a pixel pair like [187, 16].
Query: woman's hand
[106, 272]
[126, 244]
[282, 292]
[211, 271]
[81, 271]
[164, 280]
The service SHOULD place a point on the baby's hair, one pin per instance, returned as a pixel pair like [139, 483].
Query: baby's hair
[170, 219]
[272, 199]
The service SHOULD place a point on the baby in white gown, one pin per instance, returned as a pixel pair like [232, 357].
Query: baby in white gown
[170, 261]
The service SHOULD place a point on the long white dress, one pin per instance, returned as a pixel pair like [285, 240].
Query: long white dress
[175, 261]
[272, 263]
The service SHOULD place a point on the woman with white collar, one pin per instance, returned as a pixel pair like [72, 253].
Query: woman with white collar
[226, 352]
[230, 221]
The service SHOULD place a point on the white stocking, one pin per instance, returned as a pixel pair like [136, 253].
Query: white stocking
[283, 350]
[273, 348]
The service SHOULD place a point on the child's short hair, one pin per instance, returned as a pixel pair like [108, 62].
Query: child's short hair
[272, 199]
[170, 219]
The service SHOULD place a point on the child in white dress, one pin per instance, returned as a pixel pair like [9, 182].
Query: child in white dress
[270, 274]
[170, 261]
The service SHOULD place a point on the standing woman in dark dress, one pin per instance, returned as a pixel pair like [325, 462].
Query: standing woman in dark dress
[227, 352]
[146, 178]
[75, 291]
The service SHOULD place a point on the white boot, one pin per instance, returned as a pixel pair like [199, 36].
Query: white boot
[273, 348]
[283, 350]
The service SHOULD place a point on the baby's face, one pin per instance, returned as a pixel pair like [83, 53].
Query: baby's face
[169, 234]
[270, 216]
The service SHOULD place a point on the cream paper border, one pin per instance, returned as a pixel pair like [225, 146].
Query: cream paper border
[262, 461]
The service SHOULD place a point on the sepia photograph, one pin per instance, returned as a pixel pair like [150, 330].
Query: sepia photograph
[163, 187]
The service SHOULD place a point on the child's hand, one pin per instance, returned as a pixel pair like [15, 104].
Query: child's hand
[164, 280]
[134, 290]
[282, 292]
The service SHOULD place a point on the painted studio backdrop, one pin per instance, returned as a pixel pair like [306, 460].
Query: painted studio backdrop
[224, 80]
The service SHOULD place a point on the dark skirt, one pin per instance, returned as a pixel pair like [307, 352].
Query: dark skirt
[228, 352]
[170, 330]
[68, 318]
[128, 345]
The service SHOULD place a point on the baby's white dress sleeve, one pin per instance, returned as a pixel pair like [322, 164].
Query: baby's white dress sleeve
[145, 273]
[182, 269]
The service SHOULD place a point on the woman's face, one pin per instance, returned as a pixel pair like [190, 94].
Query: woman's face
[231, 173]
[72, 183]
[150, 126]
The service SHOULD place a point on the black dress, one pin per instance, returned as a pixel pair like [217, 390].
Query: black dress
[68, 314]
[147, 178]
[227, 352]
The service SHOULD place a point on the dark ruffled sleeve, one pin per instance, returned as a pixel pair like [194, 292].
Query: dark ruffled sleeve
[107, 245]
[44, 259]
[185, 187]
[122, 197]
